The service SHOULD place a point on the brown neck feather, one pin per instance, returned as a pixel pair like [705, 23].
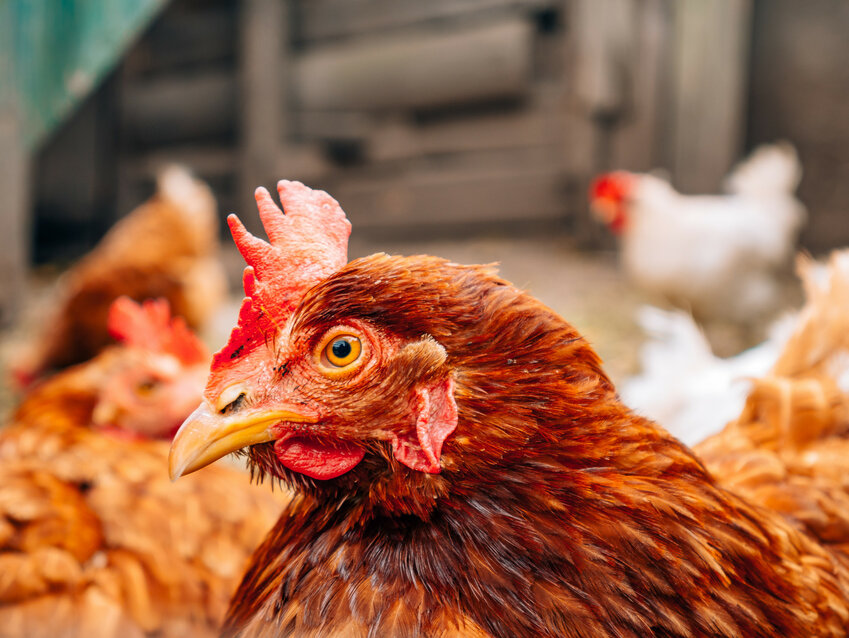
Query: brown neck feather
[552, 548]
[557, 511]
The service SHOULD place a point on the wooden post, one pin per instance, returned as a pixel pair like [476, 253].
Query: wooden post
[598, 48]
[264, 61]
[14, 177]
[708, 104]
[14, 213]
[604, 34]
[637, 141]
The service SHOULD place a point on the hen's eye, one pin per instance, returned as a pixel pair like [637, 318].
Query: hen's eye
[343, 350]
[146, 387]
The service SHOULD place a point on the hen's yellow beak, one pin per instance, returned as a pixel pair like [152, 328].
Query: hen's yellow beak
[206, 436]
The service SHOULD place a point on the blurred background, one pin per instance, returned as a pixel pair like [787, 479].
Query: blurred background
[466, 128]
[649, 169]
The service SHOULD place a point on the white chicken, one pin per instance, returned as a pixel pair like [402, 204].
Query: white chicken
[718, 256]
[684, 386]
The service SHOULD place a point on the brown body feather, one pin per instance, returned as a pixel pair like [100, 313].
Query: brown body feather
[557, 511]
[789, 449]
[95, 541]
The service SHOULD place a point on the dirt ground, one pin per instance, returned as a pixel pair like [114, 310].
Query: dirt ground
[588, 290]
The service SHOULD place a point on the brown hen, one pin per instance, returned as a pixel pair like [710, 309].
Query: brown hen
[465, 467]
[166, 248]
[95, 541]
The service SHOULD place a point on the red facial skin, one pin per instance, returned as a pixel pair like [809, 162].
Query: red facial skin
[159, 374]
[609, 196]
[333, 441]
[148, 395]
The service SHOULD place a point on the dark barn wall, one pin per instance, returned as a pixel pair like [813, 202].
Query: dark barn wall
[799, 91]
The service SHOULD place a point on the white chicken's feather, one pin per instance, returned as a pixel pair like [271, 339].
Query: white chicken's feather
[683, 385]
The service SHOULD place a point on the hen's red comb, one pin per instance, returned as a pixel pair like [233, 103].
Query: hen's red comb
[614, 186]
[149, 326]
[306, 245]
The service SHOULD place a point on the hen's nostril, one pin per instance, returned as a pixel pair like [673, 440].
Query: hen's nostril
[235, 404]
[231, 397]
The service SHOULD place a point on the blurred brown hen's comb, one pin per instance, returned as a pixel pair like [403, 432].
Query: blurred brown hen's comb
[306, 245]
[149, 326]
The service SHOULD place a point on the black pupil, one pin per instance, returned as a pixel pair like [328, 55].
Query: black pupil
[341, 348]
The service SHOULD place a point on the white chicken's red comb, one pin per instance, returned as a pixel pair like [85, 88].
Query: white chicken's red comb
[306, 245]
[149, 326]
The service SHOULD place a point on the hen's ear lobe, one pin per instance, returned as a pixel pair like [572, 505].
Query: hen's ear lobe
[436, 418]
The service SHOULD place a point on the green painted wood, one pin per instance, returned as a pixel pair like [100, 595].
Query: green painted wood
[54, 52]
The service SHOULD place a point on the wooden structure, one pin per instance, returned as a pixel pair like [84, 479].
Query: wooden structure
[434, 116]
[437, 116]
[799, 90]
[448, 115]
